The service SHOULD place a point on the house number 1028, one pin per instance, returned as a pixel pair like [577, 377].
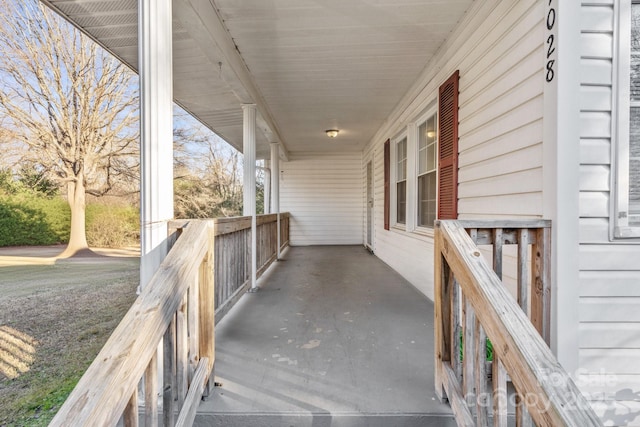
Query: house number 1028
[551, 40]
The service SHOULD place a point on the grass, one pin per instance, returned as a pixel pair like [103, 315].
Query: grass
[488, 349]
[54, 320]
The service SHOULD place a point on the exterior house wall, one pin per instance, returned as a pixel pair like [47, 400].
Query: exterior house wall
[609, 309]
[500, 175]
[500, 127]
[323, 193]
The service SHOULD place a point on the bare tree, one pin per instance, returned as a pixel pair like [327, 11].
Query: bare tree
[70, 106]
[209, 184]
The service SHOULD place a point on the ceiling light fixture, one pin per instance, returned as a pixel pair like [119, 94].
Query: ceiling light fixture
[332, 133]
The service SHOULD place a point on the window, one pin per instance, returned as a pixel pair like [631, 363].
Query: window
[427, 196]
[401, 181]
[627, 145]
[424, 189]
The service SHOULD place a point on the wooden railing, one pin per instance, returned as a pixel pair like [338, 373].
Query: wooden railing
[177, 305]
[473, 305]
[233, 254]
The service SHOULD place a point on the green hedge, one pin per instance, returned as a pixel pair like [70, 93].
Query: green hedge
[29, 219]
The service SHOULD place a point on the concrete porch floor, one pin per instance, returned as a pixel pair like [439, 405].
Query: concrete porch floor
[334, 337]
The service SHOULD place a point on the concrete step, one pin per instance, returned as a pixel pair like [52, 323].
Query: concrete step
[346, 419]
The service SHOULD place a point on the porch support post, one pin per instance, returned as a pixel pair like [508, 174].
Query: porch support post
[249, 180]
[275, 186]
[561, 182]
[156, 130]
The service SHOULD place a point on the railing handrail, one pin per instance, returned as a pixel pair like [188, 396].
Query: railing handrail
[230, 224]
[104, 390]
[534, 370]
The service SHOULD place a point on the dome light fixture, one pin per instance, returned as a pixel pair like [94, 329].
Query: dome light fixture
[332, 133]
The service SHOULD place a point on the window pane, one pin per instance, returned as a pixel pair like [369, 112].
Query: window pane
[427, 199]
[431, 129]
[422, 148]
[401, 192]
[422, 136]
[431, 157]
[402, 159]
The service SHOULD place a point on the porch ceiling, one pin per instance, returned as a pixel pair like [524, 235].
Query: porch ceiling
[309, 65]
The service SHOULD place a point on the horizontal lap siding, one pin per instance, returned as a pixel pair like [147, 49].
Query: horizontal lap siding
[501, 119]
[609, 272]
[323, 193]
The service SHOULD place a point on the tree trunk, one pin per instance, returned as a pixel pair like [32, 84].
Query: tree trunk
[77, 204]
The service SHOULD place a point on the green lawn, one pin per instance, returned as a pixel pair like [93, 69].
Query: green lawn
[53, 321]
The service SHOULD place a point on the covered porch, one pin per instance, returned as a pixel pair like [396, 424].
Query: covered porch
[276, 79]
[333, 337]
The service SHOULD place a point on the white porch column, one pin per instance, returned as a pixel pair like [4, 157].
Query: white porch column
[249, 179]
[561, 173]
[156, 131]
[275, 185]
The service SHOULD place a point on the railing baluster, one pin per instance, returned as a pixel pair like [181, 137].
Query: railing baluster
[480, 368]
[207, 288]
[455, 327]
[169, 373]
[473, 233]
[192, 326]
[523, 419]
[523, 270]
[497, 251]
[182, 353]
[499, 379]
[130, 416]
[151, 393]
[468, 327]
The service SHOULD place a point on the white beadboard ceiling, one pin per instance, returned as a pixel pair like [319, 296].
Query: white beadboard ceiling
[309, 65]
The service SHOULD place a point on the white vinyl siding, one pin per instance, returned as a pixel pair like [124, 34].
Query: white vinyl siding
[609, 288]
[323, 193]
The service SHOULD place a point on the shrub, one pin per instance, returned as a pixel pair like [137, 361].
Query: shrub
[112, 225]
[30, 219]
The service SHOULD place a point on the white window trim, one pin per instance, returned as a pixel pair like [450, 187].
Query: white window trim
[393, 184]
[423, 118]
[620, 228]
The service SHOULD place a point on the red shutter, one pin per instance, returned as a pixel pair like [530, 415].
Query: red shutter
[448, 148]
[387, 178]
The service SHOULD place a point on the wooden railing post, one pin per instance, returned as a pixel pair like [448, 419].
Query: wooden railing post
[441, 319]
[541, 286]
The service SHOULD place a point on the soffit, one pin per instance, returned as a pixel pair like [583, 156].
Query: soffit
[314, 64]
